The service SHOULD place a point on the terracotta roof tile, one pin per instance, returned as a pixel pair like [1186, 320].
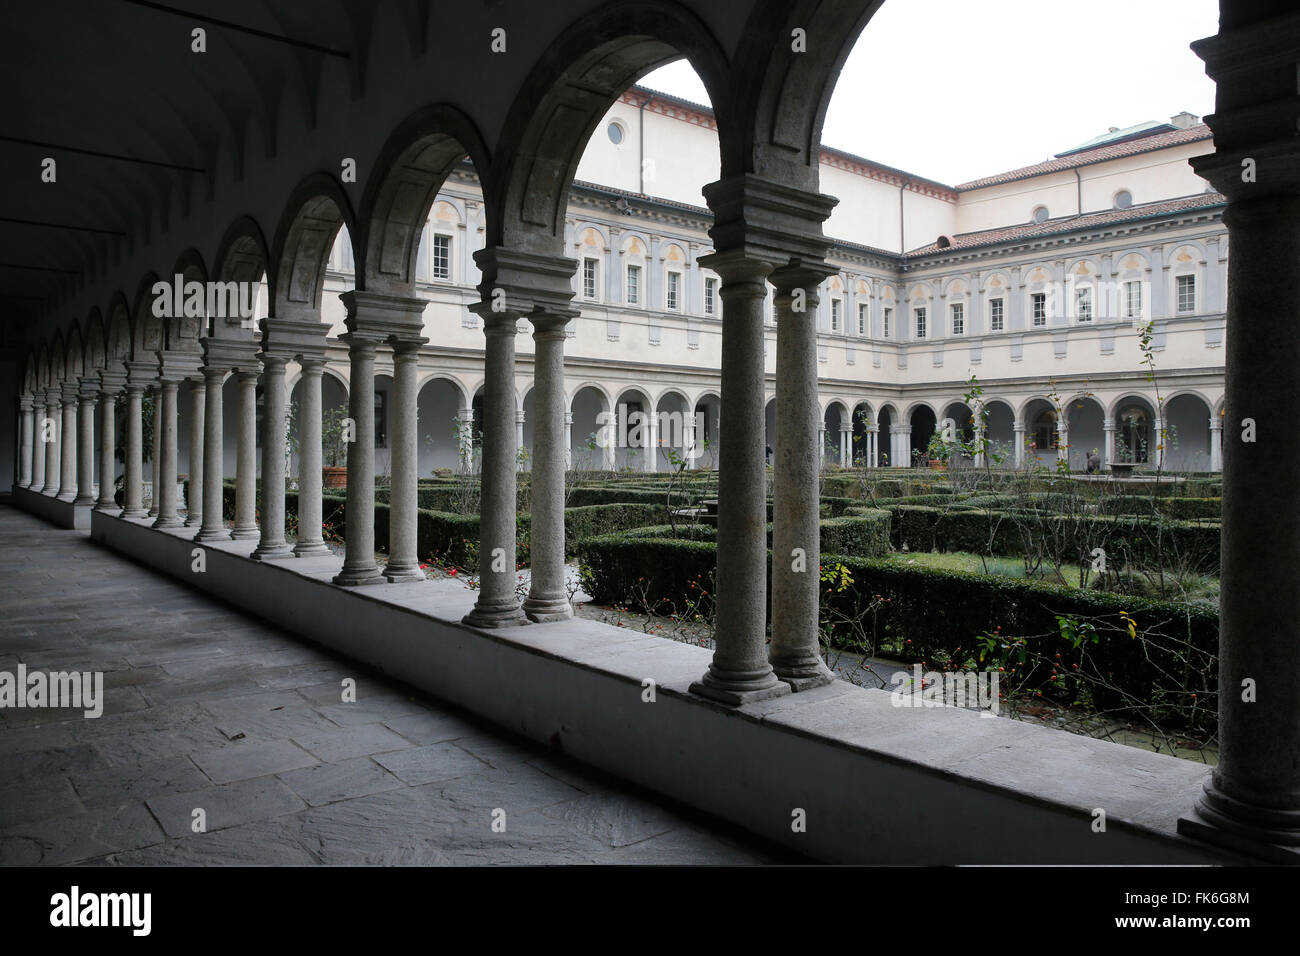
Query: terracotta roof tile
[1089, 220]
[1131, 147]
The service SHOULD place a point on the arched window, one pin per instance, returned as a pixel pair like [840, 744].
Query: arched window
[1041, 214]
[1123, 199]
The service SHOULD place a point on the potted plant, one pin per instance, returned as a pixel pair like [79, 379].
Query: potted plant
[938, 452]
[334, 448]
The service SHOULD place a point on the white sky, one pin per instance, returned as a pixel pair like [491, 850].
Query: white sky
[955, 89]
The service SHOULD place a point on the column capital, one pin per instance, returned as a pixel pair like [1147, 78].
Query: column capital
[25, 403]
[407, 345]
[800, 274]
[68, 392]
[767, 220]
[1257, 111]
[293, 337]
[228, 354]
[362, 342]
[522, 283]
[88, 389]
[376, 314]
[272, 360]
[1216, 424]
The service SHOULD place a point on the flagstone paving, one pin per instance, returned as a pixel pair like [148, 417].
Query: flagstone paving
[227, 741]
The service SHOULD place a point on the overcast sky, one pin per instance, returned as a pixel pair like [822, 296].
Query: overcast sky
[956, 89]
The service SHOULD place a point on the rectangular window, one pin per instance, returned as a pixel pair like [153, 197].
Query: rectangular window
[710, 296]
[1186, 294]
[674, 286]
[959, 318]
[837, 306]
[1133, 299]
[1083, 303]
[633, 285]
[995, 315]
[886, 320]
[864, 316]
[1039, 308]
[442, 257]
[589, 267]
[920, 323]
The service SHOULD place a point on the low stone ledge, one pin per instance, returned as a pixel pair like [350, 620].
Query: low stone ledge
[62, 513]
[876, 783]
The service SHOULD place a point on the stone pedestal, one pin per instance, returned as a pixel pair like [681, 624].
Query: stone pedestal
[213, 526]
[310, 540]
[69, 442]
[198, 439]
[246, 457]
[133, 492]
[25, 441]
[403, 522]
[272, 543]
[165, 430]
[86, 398]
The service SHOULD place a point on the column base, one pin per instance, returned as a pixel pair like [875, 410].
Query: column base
[741, 688]
[194, 520]
[304, 549]
[107, 506]
[547, 610]
[87, 501]
[499, 615]
[395, 573]
[1217, 819]
[68, 496]
[803, 673]
[358, 577]
[137, 513]
[240, 534]
[172, 522]
[51, 492]
[212, 534]
[271, 552]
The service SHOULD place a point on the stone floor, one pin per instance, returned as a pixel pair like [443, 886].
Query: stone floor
[208, 709]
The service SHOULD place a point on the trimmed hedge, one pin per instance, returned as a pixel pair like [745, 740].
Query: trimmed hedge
[925, 610]
[1139, 539]
[1171, 507]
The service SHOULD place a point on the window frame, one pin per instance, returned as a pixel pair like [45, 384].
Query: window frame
[1132, 290]
[632, 285]
[920, 321]
[710, 295]
[1037, 315]
[887, 314]
[998, 316]
[864, 318]
[837, 314]
[1190, 277]
[1083, 304]
[594, 263]
[957, 317]
[672, 290]
[433, 257]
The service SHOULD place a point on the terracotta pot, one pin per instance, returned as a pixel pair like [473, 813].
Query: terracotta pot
[936, 465]
[333, 477]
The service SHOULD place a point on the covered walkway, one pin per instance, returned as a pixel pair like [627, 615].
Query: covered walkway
[207, 708]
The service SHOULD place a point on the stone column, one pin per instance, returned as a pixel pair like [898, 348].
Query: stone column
[740, 672]
[1107, 443]
[650, 435]
[519, 437]
[905, 445]
[568, 440]
[272, 543]
[359, 565]
[1251, 802]
[1216, 444]
[821, 443]
[404, 501]
[1018, 433]
[155, 392]
[1158, 437]
[310, 476]
[846, 441]
[39, 435]
[53, 446]
[609, 450]
[467, 440]
[86, 447]
[497, 605]
[979, 441]
[246, 457]
[165, 432]
[1063, 439]
[548, 599]
[107, 449]
[198, 438]
[68, 445]
[873, 446]
[795, 651]
[26, 445]
[133, 494]
[214, 453]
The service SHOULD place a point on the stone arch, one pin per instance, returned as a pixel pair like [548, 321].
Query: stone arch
[147, 334]
[242, 256]
[74, 359]
[567, 93]
[117, 332]
[413, 165]
[304, 237]
[182, 332]
[782, 93]
[95, 344]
